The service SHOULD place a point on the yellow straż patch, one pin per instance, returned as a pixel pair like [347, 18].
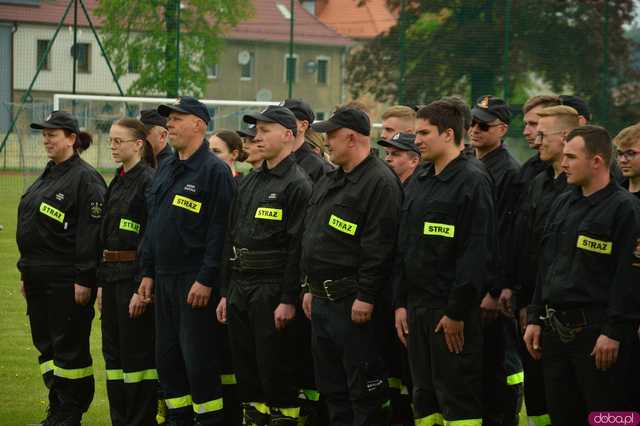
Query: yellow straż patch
[342, 225]
[51, 212]
[439, 229]
[596, 246]
[129, 225]
[187, 203]
[268, 213]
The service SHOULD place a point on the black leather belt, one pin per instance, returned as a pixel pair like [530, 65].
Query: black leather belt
[578, 317]
[245, 260]
[333, 290]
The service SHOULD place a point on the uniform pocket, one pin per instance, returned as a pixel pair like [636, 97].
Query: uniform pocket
[269, 219]
[345, 219]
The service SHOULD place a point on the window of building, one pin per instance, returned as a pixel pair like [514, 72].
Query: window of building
[212, 71]
[320, 116]
[290, 66]
[246, 70]
[83, 56]
[322, 71]
[42, 48]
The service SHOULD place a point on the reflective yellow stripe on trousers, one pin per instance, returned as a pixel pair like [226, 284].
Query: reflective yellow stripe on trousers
[138, 376]
[208, 407]
[431, 420]
[515, 379]
[73, 373]
[543, 420]
[466, 422]
[46, 366]
[179, 402]
[115, 374]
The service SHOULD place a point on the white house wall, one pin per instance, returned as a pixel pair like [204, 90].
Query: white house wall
[59, 78]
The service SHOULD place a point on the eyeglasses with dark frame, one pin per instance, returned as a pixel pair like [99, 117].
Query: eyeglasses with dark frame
[628, 154]
[484, 126]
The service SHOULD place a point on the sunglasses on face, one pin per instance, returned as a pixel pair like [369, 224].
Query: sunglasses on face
[628, 154]
[483, 126]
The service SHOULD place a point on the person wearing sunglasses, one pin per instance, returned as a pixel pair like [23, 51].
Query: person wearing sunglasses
[503, 368]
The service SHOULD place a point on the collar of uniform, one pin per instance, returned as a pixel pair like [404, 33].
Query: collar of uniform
[597, 196]
[280, 169]
[132, 173]
[196, 158]
[54, 169]
[449, 171]
[495, 153]
[304, 150]
[355, 174]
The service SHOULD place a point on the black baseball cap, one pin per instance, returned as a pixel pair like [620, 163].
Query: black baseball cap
[300, 109]
[578, 104]
[402, 141]
[186, 105]
[151, 118]
[274, 114]
[249, 132]
[489, 108]
[349, 118]
[59, 120]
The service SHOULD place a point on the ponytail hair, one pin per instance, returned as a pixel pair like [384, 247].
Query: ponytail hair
[139, 131]
[83, 140]
[233, 142]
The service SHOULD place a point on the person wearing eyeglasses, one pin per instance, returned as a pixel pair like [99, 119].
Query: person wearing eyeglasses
[503, 368]
[57, 234]
[627, 144]
[127, 320]
[586, 300]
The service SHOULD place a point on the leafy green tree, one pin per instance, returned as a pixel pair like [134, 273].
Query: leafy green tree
[145, 34]
[457, 46]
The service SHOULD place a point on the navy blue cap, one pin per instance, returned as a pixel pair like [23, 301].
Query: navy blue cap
[348, 118]
[578, 104]
[249, 132]
[489, 108]
[300, 109]
[186, 105]
[274, 114]
[151, 117]
[402, 141]
[59, 120]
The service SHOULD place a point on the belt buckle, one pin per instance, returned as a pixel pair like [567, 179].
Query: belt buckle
[326, 290]
[104, 255]
[237, 253]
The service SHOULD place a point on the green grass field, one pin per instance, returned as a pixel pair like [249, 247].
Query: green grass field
[22, 393]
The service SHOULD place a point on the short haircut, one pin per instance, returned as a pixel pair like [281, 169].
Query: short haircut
[628, 136]
[444, 115]
[400, 111]
[567, 117]
[459, 103]
[544, 101]
[596, 141]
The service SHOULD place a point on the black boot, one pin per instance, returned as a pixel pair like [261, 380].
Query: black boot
[252, 417]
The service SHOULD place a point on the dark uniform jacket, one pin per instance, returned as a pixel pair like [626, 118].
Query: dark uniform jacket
[518, 231]
[590, 256]
[350, 227]
[59, 222]
[188, 203]
[314, 165]
[446, 235]
[124, 221]
[542, 192]
[267, 216]
[167, 152]
[504, 171]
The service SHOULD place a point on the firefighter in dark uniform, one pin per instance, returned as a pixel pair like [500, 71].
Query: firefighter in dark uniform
[586, 293]
[503, 371]
[189, 202]
[553, 125]
[262, 261]
[444, 243]
[403, 156]
[347, 252]
[157, 134]
[313, 164]
[627, 144]
[127, 320]
[57, 235]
